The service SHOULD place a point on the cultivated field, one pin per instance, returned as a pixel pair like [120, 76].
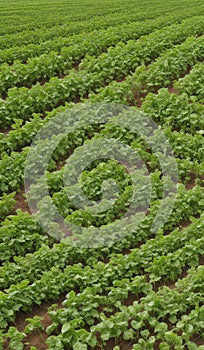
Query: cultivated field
[101, 175]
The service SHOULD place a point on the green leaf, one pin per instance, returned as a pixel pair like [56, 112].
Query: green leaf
[65, 327]
[80, 346]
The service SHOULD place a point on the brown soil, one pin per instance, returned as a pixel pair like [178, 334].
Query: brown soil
[43, 81]
[131, 298]
[198, 340]
[60, 164]
[124, 345]
[201, 260]
[21, 203]
[184, 223]
[36, 338]
[40, 310]
[172, 90]
[171, 285]
[5, 131]
[183, 274]
[4, 95]
[137, 98]
[76, 66]
[191, 183]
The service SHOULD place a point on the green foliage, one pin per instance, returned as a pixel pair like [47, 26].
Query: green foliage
[145, 288]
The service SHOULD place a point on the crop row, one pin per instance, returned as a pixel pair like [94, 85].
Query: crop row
[91, 185]
[22, 53]
[96, 72]
[128, 248]
[131, 322]
[7, 203]
[14, 165]
[193, 83]
[169, 66]
[166, 108]
[84, 308]
[162, 108]
[31, 267]
[110, 19]
[47, 65]
[56, 281]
